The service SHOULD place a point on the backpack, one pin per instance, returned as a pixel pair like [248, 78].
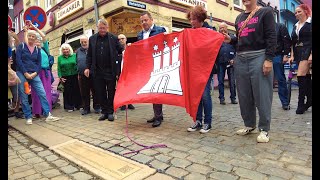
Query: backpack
[51, 58]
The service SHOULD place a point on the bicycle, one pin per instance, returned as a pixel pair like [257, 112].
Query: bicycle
[291, 75]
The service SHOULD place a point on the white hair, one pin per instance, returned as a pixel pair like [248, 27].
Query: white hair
[38, 36]
[32, 32]
[84, 36]
[66, 45]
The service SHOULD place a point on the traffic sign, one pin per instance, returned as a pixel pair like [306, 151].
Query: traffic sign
[36, 15]
[9, 22]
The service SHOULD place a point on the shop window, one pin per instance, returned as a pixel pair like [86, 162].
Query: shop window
[47, 4]
[73, 39]
[237, 3]
[16, 24]
[21, 20]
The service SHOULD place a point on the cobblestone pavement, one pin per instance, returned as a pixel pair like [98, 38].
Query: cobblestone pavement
[219, 154]
[29, 160]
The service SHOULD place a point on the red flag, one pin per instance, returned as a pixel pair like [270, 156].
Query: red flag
[169, 69]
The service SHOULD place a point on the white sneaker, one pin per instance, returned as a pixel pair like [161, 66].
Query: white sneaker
[51, 118]
[245, 131]
[263, 137]
[29, 121]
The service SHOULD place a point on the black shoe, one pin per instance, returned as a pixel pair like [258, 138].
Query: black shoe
[85, 112]
[130, 106]
[285, 107]
[233, 101]
[103, 117]
[110, 117]
[206, 128]
[97, 110]
[222, 102]
[123, 108]
[153, 119]
[156, 123]
[18, 115]
[196, 126]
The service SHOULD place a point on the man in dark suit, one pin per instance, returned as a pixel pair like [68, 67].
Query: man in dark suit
[102, 64]
[150, 29]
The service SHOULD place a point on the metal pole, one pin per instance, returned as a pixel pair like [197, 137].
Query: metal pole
[96, 11]
[211, 18]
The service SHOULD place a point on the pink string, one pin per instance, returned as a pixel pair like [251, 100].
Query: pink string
[144, 146]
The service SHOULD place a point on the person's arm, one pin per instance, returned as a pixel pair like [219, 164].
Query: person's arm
[89, 55]
[286, 39]
[59, 66]
[40, 32]
[20, 65]
[269, 34]
[16, 38]
[25, 34]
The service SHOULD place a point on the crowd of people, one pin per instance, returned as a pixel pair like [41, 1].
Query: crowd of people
[251, 57]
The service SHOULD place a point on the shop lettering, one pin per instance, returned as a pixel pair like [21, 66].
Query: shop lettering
[69, 9]
[191, 2]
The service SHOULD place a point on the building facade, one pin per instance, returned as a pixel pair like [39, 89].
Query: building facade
[274, 4]
[287, 9]
[18, 22]
[77, 17]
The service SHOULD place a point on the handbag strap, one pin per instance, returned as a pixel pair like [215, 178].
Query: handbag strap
[247, 20]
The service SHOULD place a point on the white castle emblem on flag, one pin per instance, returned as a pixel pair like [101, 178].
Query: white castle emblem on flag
[165, 79]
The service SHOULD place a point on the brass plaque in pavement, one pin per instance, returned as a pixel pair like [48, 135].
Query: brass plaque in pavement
[103, 162]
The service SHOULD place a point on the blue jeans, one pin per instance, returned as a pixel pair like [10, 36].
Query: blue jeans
[38, 87]
[278, 69]
[205, 104]
[232, 84]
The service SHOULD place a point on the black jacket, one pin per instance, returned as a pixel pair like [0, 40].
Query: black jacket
[81, 56]
[227, 52]
[302, 45]
[154, 31]
[115, 49]
[283, 40]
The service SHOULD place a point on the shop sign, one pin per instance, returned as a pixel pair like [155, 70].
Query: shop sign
[190, 3]
[136, 4]
[70, 9]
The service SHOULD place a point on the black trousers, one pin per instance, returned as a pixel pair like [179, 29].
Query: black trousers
[105, 90]
[86, 85]
[71, 93]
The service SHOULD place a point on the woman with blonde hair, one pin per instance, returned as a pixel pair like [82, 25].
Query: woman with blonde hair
[28, 68]
[68, 74]
[301, 53]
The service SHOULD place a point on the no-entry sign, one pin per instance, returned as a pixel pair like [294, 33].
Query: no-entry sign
[36, 15]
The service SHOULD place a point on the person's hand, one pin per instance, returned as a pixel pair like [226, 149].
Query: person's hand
[33, 75]
[63, 80]
[27, 75]
[86, 72]
[231, 62]
[129, 44]
[25, 28]
[285, 59]
[227, 38]
[165, 33]
[267, 67]
[290, 60]
[310, 59]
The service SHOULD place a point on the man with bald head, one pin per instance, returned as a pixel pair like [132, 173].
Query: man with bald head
[85, 83]
[225, 60]
[123, 41]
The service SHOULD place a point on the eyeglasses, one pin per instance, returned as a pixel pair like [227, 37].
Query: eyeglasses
[121, 38]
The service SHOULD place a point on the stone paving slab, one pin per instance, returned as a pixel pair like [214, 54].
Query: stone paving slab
[102, 163]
